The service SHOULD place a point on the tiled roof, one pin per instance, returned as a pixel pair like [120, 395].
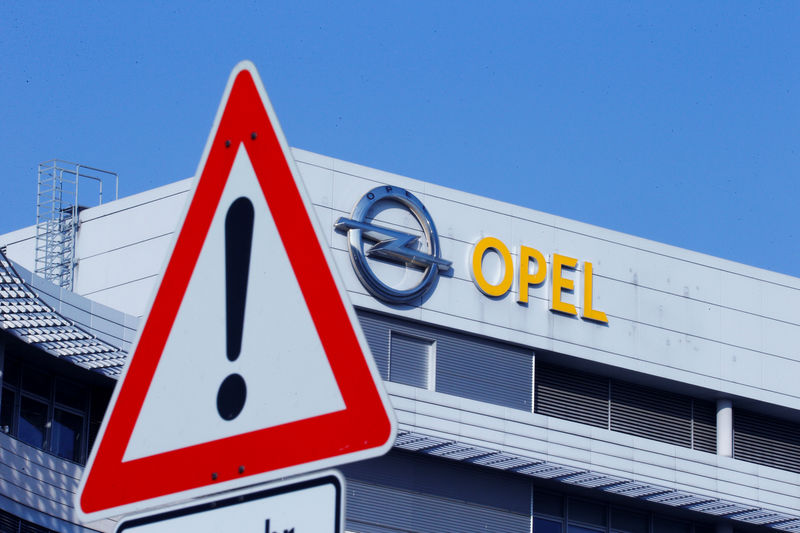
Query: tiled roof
[27, 317]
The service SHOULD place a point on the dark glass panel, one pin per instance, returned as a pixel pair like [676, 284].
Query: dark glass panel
[100, 399]
[572, 528]
[548, 503]
[587, 512]
[628, 521]
[664, 525]
[11, 371]
[94, 428]
[67, 435]
[32, 422]
[70, 394]
[7, 411]
[540, 525]
[36, 382]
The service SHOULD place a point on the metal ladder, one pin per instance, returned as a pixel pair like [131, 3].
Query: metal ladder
[57, 208]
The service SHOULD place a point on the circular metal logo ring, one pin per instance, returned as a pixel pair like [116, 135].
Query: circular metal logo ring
[392, 245]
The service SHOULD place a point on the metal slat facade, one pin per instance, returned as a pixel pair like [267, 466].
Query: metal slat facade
[704, 419]
[377, 333]
[381, 509]
[483, 370]
[408, 359]
[467, 366]
[625, 407]
[572, 395]
[405, 491]
[765, 440]
[651, 413]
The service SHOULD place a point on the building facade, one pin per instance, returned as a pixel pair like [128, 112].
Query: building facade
[547, 375]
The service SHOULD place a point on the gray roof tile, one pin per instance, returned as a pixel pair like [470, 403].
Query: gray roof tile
[30, 319]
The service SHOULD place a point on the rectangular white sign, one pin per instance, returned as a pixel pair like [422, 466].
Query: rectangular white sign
[304, 505]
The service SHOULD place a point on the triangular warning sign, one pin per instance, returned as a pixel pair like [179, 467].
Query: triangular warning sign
[250, 365]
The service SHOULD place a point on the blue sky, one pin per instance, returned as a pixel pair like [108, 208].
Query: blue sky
[677, 122]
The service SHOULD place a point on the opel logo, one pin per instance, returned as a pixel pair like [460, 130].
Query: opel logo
[392, 245]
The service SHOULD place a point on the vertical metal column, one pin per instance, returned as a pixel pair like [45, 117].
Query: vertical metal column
[725, 428]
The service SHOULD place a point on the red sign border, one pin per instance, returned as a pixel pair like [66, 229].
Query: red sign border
[367, 422]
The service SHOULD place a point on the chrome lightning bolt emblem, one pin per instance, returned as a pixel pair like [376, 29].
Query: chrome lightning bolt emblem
[392, 245]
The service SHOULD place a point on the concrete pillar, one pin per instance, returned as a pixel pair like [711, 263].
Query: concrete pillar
[725, 428]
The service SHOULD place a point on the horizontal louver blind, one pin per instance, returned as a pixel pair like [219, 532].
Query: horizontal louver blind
[466, 365]
[380, 509]
[571, 395]
[408, 360]
[765, 440]
[377, 333]
[490, 372]
[651, 413]
[10, 523]
[705, 426]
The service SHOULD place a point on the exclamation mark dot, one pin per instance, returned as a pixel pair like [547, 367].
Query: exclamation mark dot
[238, 242]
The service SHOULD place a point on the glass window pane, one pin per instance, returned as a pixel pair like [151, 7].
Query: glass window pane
[572, 528]
[587, 512]
[11, 371]
[540, 525]
[7, 411]
[67, 435]
[700, 527]
[628, 521]
[547, 503]
[664, 525]
[100, 399]
[36, 382]
[94, 428]
[32, 421]
[70, 394]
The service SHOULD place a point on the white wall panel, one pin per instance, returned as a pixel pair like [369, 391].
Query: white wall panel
[44, 484]
[130, 227]
[122, 265]
[572, 444]
[674, 313]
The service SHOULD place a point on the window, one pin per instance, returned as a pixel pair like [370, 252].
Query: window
[625, 407]
[561, 513]
[50, 412]
[410, 361]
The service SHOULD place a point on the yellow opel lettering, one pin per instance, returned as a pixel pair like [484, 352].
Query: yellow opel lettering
[588, 312]
[560, 283]
[496, 245]
[526, 279]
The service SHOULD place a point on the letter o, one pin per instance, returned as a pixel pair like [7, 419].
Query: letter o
[497, 246]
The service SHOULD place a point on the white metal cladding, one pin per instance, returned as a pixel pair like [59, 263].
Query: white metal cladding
[569, 452]
[594, 480]
[673, 313]
[414, 492]
[39, 487]
[677, 314]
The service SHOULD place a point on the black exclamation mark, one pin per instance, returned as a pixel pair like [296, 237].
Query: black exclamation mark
[238, 241]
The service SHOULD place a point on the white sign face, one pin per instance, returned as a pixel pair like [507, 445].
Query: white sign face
[250, 350]
[310, 504]
[280, 358]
